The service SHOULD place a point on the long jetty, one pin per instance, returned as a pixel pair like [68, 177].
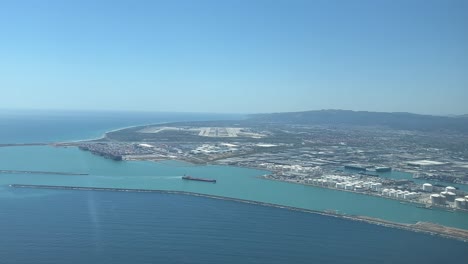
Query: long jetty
[40, 172]
[22, 144]
[423, 227]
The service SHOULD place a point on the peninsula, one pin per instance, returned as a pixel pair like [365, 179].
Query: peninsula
[419, 160]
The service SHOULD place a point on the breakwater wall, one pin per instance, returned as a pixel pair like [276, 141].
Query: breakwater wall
[40, 172]
[428, 228]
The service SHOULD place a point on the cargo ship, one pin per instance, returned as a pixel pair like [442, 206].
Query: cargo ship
[190, 178]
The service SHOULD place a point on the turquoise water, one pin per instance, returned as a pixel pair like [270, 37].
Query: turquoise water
[232, 182]
[59, 226]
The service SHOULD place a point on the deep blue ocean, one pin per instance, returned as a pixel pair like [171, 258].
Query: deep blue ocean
[112, 227]
[28, 126]
[57, 226]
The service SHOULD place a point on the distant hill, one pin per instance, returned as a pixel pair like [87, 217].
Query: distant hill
[403, 121]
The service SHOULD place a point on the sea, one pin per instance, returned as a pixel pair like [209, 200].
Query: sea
[71, 226]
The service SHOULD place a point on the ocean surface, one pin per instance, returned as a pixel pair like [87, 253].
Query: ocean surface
[108, 227]
[55, 126]
[58, 226]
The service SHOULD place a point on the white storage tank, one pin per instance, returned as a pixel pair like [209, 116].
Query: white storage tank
[460, 203]
[358, 188]
[376, 186]
[450, 189]
[400, 194]
[385, 192]
[408, 196]
[437, 199]
[450, 196]
[427, 187]
[340, 185]
[349, 187]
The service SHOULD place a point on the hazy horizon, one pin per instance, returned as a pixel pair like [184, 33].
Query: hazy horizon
[235, 56]
[64, 111]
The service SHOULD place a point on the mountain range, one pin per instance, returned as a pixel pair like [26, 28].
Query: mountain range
[395, 120]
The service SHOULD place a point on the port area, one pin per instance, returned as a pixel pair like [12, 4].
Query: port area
[423, 227]
[366, 160]
[370, 150]
[421, 195]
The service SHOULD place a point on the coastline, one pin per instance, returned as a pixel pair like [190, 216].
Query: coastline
[103, 136]
[412, 202]
[421, 227]
[418, 227]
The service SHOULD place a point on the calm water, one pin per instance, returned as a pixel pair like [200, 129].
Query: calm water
[53, 126]
[104, 227]
[232, 182]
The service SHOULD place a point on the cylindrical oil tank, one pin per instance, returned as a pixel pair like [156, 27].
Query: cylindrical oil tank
[340, 185]
[385, 192]
[450, 196]
[408, 196]
[400, 194]
[427, 187]
[450, 189]
[460, 203]
[358, 188]
[437, 199]
[376, 186]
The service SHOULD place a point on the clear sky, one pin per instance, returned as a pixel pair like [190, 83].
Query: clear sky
[235, 56]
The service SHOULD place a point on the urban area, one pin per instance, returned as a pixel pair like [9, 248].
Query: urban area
[392, 164]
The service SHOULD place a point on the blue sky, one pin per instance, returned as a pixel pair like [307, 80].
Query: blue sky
[235, 56]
